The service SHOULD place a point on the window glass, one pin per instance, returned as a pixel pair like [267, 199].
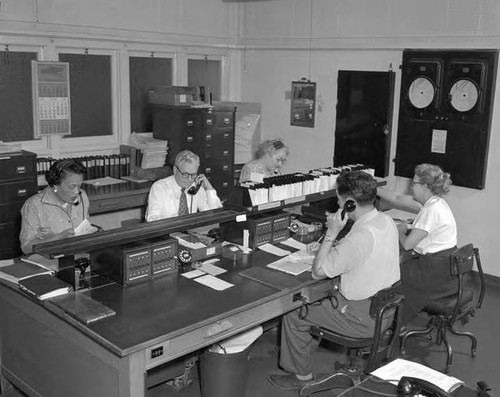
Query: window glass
[145, 74]
[16, 104]
[90, 93]
[207, 73]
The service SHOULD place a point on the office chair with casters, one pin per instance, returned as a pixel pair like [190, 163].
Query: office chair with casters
[377, 349]
[446, 312]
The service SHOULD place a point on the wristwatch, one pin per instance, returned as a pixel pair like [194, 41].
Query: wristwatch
[329, 238]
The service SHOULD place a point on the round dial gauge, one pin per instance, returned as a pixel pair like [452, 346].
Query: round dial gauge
[421, 92]
[463, 95]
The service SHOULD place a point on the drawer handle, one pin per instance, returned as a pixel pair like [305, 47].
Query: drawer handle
[22, 192]
[226, 135]
[218, 328]
[209, 122]
[226, 120]
[225, 168]
[190, 123]
[189, 139]
[225, 184]
[21, 169]
[208, 170]
[225, 153]
[208, 137]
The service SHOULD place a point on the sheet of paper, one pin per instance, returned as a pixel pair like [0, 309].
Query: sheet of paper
[274, 250]
[294, 244]
[212, 269]
[213, 282]
[400, 215]
[193, 273]
[398, 368]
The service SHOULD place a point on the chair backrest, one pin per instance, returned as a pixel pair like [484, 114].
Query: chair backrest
[462, 262]
[386, 305]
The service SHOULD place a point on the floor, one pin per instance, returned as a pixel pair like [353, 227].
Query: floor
[264, 361]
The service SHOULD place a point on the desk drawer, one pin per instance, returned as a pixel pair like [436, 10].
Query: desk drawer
[216, 331]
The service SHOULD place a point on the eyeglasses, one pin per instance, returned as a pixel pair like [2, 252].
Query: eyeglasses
[280, 159]
[186, 175]
[413, 183]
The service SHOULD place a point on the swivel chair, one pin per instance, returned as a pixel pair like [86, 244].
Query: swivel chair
[377, 349]
[446, 312]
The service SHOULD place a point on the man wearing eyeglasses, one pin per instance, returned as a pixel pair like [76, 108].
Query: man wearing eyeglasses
[183, 193]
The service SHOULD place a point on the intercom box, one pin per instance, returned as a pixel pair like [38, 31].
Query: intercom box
[163, 251]
[124, 264]
[265, 228]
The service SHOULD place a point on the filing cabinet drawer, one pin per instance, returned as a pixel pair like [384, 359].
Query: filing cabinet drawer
[219, 120]
[17, 191]
[17, 166]
[9, 243]
[10, 212]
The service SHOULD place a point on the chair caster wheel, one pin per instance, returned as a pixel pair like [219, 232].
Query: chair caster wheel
[473, 352]
[447, 370]
[403, 351]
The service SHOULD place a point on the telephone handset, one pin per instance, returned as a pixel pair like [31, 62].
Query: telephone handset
[194, 189]
[409, 386]
[349, 206]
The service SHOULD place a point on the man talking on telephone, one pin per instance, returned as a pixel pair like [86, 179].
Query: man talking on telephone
[182, 193]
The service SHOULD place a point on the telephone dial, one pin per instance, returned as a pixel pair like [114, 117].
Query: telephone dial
[412, 387]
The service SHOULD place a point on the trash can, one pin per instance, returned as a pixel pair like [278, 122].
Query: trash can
[224, 374]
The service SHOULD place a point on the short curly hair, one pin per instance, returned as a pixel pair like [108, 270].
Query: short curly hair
[434, 177]
[359, 185]
[59, 169]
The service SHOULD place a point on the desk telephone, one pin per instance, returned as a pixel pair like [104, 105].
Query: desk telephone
[410, 387]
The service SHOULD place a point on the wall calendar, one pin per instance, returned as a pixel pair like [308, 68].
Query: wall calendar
[51, 98]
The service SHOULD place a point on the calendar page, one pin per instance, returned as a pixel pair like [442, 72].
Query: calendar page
[51, 98]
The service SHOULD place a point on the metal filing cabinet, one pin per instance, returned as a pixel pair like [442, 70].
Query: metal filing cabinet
[207, 132]
[18, 181]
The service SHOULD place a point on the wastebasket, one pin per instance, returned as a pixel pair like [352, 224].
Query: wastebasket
[224, 374]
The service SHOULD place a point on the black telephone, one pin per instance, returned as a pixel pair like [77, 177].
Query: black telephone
[409, 386]
[194, 189]
[349, 206]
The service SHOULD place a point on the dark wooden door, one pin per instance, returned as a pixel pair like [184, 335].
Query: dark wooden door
[364, 114]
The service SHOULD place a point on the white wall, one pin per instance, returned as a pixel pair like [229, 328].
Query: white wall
[270, 43]
[279, 38]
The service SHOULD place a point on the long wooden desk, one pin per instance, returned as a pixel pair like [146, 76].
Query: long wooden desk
[45, 352]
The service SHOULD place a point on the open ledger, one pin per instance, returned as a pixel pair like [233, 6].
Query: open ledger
[22, 269]
[395, 370]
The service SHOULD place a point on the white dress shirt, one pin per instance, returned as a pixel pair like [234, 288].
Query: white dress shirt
[164, 196]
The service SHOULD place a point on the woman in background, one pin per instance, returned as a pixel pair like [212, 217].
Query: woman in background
[270, 157]
[429, 242]
[55, 212]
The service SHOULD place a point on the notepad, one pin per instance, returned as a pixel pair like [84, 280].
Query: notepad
[83, 307]
[291, 267]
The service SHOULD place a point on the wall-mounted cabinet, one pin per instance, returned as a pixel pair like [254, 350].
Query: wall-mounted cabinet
[445, 112]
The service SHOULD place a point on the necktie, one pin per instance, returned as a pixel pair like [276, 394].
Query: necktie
[183, 205]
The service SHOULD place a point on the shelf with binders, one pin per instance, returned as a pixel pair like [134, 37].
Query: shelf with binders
[289, 190]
